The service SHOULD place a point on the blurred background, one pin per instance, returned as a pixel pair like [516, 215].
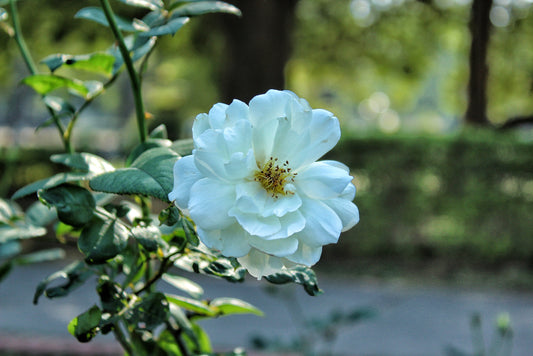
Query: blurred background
[434, 99]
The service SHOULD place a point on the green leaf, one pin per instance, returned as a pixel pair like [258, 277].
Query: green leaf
[184, 284]
[40, 256]
[204, 7]
[138, 46]
[5, 269]
[101, 63]
[299, 275]
[75, 205]
[10, 249]
[169, 28]
[150, 174]
[167, 343]
[170, 216]
[184, 324]
[190, 232]
[159, 132]
[151, 312]
[85, 162]
[228, 306]
[149, 237]
[75, 273]
[204, 344]
[50, 182]
[39, 214]
[45, 83]
[145, 146]
[149, 4]
[18, 232]
[193, 305]
[111, 296]
[183, 147]
[8, 211]
[140, 26]
[84, 326]
[3, 14]
[102, 240]
[59, 105]
[97, 15]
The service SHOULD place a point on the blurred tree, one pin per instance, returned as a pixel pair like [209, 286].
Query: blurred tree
[480, 28]
[257, 47]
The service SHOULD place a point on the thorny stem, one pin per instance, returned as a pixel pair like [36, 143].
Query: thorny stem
[23, 48]
[134, 77]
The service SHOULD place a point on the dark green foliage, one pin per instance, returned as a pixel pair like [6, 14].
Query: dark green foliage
[84, 326]
[150, 174]
[465, 198]
[74, 205]
[300, 275]
[75, 274]
[102, 240]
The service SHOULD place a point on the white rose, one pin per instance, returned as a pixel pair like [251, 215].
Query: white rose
[254, 187]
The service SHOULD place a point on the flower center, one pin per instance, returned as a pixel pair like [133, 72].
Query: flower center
[274, 177]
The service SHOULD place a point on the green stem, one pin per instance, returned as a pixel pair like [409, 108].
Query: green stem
[176, 333]
[86, 103]
[134, 77]
[20, 40]
[121, 338]
[23, 48]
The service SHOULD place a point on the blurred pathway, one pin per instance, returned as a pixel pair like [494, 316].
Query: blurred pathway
[410, 320]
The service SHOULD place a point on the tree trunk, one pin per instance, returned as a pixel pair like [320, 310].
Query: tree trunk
[480, 27]
[258, 45]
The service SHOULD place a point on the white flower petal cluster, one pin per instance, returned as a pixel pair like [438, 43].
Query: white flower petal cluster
[254, 187]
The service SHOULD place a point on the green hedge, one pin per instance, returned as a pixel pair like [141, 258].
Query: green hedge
[464, 199]
[467, 198]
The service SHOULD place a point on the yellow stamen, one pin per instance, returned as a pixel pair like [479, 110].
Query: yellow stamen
[274, 177]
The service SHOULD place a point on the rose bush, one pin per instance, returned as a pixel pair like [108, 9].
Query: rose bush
[254, 187]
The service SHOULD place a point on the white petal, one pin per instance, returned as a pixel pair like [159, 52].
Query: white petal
[185, 175]
[210, 202]
[217, 115]
[279, 247]
[236, 111]
[288, 143]
[251, 197]
[240, 166]
[231, 241]
[306, 255]
[323, 134]
[321, 180]
[265, 110]
[215, 148]
[281, 205]
[269, 106]
[322, 227]
[263, 139]
[346, 211]
[255, 224]
[200, 124]
[260, 264]
[238, 137]
[211, 165]
[290, 224]
[349, 192]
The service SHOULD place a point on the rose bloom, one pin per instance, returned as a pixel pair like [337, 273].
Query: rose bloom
[254, 187]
